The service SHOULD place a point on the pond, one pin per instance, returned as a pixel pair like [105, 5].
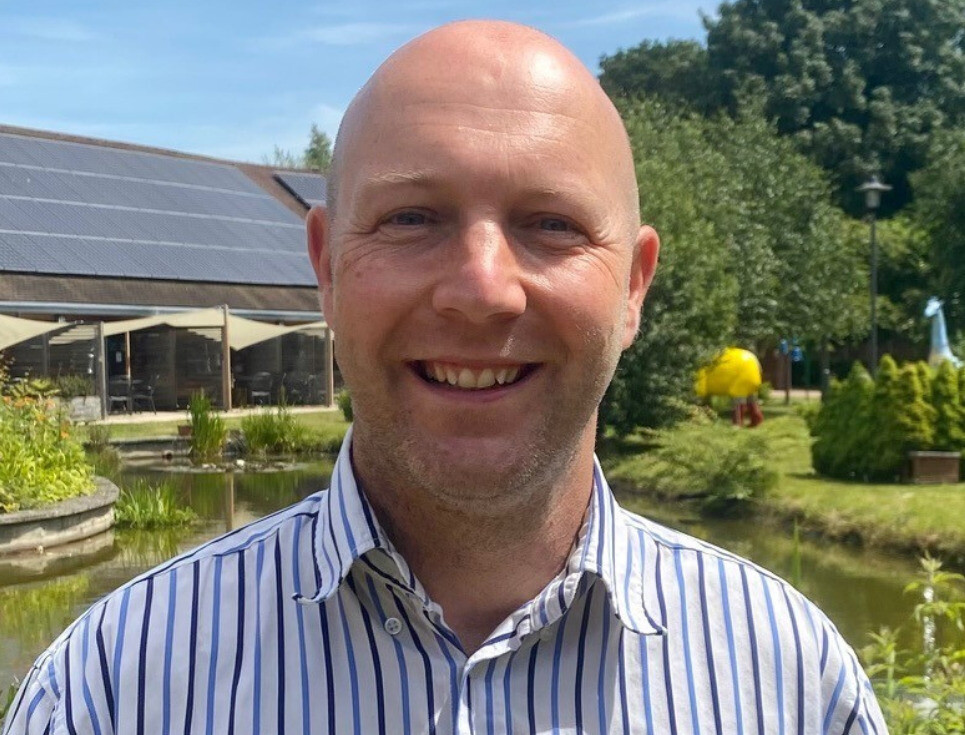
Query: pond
[859, 590]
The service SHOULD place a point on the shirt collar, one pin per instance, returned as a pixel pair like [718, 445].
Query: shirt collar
[346, 529]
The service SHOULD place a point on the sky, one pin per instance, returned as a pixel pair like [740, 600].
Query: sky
[234, 79]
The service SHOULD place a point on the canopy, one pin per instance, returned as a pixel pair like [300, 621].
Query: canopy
[14, 330]
[241, 332]
[246, 332]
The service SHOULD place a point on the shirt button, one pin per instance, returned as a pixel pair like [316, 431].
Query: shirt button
[393, 626]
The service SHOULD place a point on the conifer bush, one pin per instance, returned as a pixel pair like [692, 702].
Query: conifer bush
[843, 428]
[949, 416]
[866, 427]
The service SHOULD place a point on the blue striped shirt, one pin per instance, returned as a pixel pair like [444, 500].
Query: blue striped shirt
[308, 621]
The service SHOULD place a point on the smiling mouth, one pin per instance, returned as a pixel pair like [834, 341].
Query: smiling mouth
[472, 378]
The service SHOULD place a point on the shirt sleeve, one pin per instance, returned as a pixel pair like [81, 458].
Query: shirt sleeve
[851, 707]
[34, 708]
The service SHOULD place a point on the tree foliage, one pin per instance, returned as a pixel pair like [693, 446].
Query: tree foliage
[949, 416]
[861, 86]
[939, 210]
[843, 427]
[752, 249]
[317, 155]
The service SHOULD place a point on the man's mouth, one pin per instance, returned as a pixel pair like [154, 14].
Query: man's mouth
[472, 378]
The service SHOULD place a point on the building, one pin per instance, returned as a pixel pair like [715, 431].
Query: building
[92, 232]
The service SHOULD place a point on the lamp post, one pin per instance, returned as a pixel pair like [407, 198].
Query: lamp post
[872, 199]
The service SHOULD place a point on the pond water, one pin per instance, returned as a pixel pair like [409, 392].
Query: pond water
[859, 590]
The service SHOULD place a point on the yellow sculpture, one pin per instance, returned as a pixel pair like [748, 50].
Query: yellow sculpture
[735, 373]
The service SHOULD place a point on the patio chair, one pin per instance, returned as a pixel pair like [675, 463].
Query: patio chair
[260, 389]
[298, 388]
[119, 393]
[142, 393]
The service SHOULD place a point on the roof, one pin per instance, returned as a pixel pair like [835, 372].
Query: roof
[80, 207]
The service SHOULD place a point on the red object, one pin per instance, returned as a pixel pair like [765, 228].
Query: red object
[738, 413]
[755, 414]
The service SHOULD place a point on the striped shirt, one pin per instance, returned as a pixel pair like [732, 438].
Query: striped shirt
[308, 621]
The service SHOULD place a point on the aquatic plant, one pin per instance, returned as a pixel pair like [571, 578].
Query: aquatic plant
[141, 505]
[208, 430]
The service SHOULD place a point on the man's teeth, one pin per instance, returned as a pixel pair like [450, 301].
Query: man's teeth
[471, 379]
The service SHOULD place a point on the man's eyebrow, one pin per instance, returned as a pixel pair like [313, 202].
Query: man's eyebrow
[420, 178]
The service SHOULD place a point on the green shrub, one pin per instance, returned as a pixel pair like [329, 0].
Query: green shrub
[901, 419]
[41, 461]
[74, 386]
[949, 416]
[707, 460]
[808, 411]
[274, 432]
[143, 506]
[925, 378]
[843, 428]
[208, 430]
[922, 691]
[344, 400]
[764, 392]
[98, 437]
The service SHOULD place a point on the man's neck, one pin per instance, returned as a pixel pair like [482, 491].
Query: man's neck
[481, 569]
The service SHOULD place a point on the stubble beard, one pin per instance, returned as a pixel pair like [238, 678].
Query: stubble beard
[392, 453]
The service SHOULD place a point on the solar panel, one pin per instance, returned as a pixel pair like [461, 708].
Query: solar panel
[309, 189]
[81, 209]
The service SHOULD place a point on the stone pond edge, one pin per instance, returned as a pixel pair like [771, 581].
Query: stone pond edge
[69, 520]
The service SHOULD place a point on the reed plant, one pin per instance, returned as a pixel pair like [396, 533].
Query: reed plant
[208, 430]
[274, 432]
[144, 506]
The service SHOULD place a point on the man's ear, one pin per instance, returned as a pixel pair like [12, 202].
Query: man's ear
[646, 249]
[319, 251]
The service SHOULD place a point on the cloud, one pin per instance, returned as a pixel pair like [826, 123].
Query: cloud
[352, 34]
[342, 34]
[52, 29]
[683, 10]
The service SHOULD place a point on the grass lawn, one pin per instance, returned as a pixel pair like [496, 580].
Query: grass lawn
[325, 422]
[906, 518]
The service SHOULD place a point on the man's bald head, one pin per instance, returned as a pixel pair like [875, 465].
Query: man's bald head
[489, 64]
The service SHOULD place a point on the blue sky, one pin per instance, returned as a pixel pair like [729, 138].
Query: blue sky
[233, 79]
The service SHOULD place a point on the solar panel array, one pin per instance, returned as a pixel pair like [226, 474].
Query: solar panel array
[78, 209]
[308, 188]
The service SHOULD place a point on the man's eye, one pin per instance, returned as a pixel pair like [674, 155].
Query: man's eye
[407, 219]
[554, 224]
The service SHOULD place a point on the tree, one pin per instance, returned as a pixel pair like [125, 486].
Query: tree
[689, 314]
[281, 158]
[939, 210]
[861, 86]
[752, 250]
[318, 154]
[678, 73]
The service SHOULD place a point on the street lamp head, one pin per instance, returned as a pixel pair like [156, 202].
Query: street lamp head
[872, 189]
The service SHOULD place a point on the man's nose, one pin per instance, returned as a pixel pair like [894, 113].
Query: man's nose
[480, 278]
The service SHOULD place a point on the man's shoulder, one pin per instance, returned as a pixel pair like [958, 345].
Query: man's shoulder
[695, 564]
[289, 530]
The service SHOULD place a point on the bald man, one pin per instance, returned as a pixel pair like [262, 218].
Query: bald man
[481, 260]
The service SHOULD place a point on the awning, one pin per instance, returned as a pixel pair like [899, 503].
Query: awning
[186, 320]
[14, 330]
[242, 332]
[247, 332]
